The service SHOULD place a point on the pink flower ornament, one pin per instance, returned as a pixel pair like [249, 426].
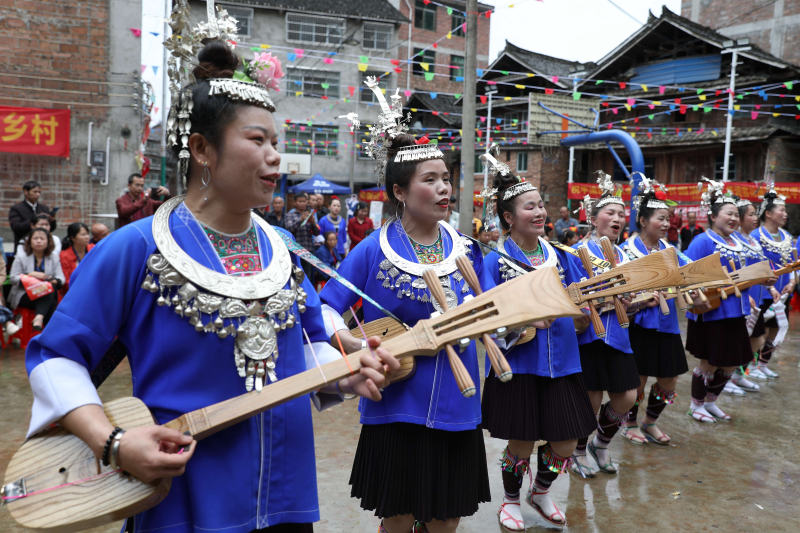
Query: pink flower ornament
[266, 70]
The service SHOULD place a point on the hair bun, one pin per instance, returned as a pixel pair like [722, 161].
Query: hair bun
[503, 182]
[398, 142]
[216, 60]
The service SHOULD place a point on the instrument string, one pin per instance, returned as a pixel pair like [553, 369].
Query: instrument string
[63, 485]
[339, 341]
[314, 355]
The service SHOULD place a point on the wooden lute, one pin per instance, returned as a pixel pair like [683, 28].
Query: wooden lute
[743, 278]
[55, 483]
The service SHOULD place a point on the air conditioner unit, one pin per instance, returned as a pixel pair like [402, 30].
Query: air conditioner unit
[296, 164]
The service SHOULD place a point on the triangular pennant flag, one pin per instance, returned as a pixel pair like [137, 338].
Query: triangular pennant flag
[362, 67]
[299, 52]
[328, 61]
[407, 94]
[483, 98]
[425, 66]
[433, 95]
[137, 32]
[457, 95]
[155, 69]
[395, 62]
[291, 57]
[429, 76]
[155, 33]
[351, 90]
[144, 67]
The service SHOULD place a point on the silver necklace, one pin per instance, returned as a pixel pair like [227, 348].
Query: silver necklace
[399, 273]
[250, 308]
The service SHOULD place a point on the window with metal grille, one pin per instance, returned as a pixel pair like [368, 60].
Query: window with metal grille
[314, 139]
[456, 68]
[314, 29]
[243, 16]
[305, 82]
[420, 56]
[457, 21]
[377, 36]
[425, 15]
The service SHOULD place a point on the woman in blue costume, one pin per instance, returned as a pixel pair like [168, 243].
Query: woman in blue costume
[777, 245]
[607, 363]
[546, 399]
[336, 223]
[718, 338]
[190, 346]
[655, 337]
[421, 454]
[754, 253]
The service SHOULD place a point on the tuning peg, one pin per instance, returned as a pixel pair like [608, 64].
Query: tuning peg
[597, 324]
[463, 379]
[496, 358]
[611, 257]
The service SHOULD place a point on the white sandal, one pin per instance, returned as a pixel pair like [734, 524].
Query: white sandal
[511, 517]
[701, 415]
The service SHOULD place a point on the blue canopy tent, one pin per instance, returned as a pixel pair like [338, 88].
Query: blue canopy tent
[319, 185]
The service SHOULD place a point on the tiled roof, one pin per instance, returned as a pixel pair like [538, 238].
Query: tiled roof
[542, 63]
[371, 9]
[695, 137]
[443, 104]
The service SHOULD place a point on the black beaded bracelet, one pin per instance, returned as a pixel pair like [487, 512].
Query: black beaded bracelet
[107, 448]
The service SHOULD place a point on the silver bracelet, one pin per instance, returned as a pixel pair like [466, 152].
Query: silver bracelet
[114, 459]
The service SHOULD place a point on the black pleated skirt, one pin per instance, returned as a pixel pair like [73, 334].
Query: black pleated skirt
[428, 473]
[535, 408]
[657, 354]
[721, 342]
[606, 368]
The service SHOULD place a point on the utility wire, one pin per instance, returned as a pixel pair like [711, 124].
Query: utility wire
[628, 14]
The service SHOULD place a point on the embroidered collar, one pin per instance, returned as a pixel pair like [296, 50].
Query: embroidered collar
[551, 260]
[782, 247]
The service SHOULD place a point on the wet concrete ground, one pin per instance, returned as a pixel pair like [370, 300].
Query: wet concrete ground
[737, 476]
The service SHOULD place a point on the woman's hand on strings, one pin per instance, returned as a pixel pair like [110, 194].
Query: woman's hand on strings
[371, 377]
[155, 452]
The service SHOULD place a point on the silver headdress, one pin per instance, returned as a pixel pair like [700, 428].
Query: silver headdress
[389, 125]
[771, 198]
[715, 194]
[610, 193]
[742, 202]
[489, 194]
[648, 194]
[184, 43]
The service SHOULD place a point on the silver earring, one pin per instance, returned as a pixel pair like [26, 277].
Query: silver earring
[205, 179]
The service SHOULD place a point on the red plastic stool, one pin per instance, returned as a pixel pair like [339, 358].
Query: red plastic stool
[26, 332]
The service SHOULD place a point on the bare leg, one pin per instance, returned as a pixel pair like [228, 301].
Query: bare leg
[631, 430]
[443, 526]
[398, 524]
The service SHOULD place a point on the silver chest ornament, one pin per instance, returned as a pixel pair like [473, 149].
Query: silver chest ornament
[405, 277]
[251, 309]
[783, 248]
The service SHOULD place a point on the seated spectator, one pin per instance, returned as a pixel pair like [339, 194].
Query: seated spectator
[38, 262]
[99, 232]
[76, 246]
[485, 236]
[329, 255]
[360, 225]
[136, 203]
[569, 237]
[43, 221]
[9, 326]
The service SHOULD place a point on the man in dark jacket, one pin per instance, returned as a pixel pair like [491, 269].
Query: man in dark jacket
[22, 216]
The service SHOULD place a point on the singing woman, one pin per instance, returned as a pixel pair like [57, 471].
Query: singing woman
[655, 337]
[420, 455]
[718, 338]
[546, 399]
[208, 304]
[607, 363]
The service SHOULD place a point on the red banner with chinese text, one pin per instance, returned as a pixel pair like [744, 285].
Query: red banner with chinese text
[30, 130]
[687, 192]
